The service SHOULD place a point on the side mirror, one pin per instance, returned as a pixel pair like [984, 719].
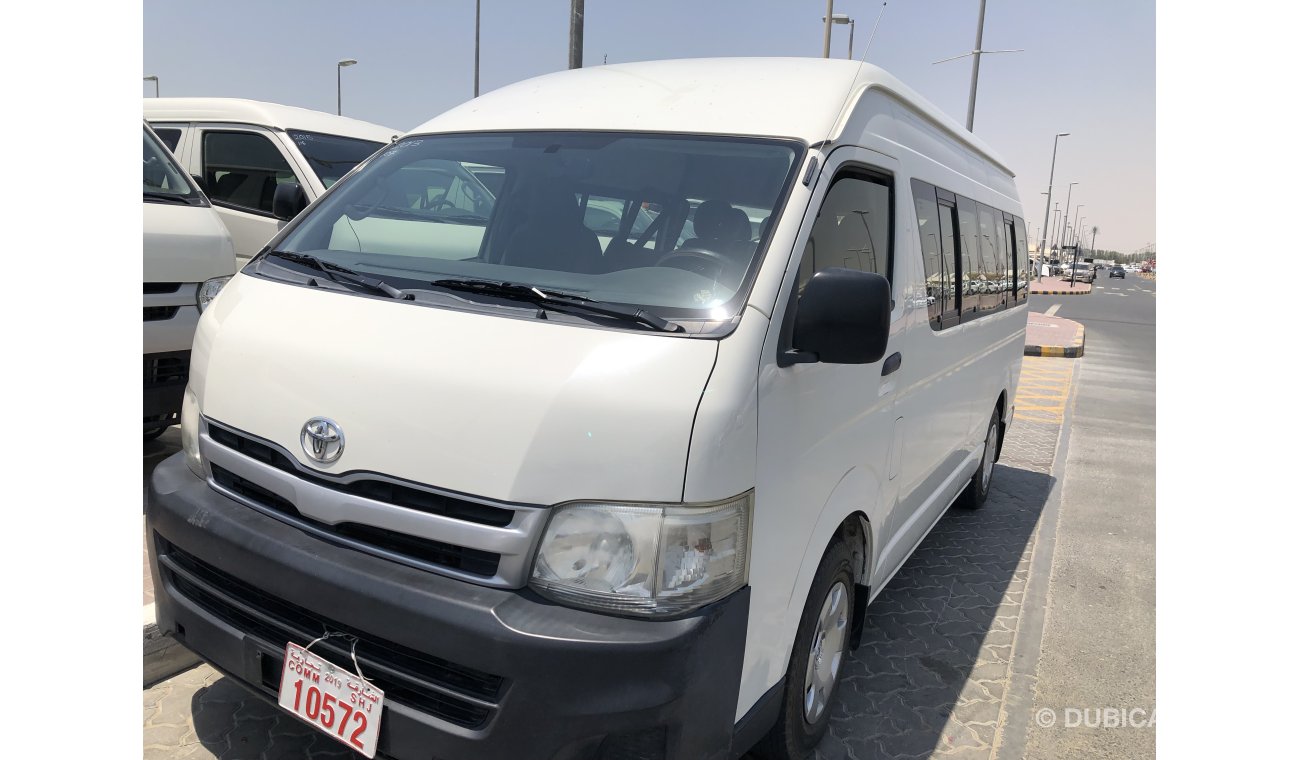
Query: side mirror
[198, 180]
[289, 199]
[841, 318]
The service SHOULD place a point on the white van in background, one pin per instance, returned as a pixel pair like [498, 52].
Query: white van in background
[571, 477]
[261, 163]
[188, 256]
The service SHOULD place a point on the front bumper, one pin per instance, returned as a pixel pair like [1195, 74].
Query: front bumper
[469, 671]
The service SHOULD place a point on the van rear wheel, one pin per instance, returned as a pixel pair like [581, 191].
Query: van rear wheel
[817, 659]
[977, 491]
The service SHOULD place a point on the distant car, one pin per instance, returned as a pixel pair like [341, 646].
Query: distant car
[1082, 273]
[1117, 272]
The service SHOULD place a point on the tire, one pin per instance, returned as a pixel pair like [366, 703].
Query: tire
[977, 490]
[794, 736]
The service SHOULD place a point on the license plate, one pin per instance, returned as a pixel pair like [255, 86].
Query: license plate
[332, 699]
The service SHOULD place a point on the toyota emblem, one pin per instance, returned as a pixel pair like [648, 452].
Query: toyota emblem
[322, 440]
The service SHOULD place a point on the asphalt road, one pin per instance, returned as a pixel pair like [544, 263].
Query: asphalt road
[1098, 642]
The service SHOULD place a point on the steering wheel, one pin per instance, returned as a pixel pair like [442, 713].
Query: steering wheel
[440, 203]
[696, 256]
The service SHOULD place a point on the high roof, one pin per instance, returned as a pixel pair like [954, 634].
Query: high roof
[271, 115]
[778, 97]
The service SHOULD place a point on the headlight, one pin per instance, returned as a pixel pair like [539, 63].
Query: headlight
[644, 559]
[209, 290]
[190, 433]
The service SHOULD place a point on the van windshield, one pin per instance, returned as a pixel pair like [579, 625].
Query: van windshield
[331, 156]
[671, 222]
[163, 180]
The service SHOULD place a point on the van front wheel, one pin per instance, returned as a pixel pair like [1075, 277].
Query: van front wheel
[816, 660]
[977, 491]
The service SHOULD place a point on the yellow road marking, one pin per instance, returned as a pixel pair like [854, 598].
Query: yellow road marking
[1044, 388]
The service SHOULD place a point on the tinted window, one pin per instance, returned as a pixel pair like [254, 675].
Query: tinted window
[243, 168]
[852, 229]
[170, 137]
[948, 241]
[937, 277]
[992, 259]
[1022, 262]
[331, 156]
[968, 267]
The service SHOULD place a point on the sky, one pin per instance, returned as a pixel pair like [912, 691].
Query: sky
[1088, 68]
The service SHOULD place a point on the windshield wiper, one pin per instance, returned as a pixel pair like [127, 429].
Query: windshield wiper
[559, 301]
[343, 274]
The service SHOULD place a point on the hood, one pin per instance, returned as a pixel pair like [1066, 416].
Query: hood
[520, 410]
[185, 244]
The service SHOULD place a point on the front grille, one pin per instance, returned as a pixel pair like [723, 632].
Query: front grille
[430, 684]
[421, 550]
[159, 313]
[166, 368]
[377, 490]
[158, 288]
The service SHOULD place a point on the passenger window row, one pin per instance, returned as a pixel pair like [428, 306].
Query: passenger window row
[976, 256]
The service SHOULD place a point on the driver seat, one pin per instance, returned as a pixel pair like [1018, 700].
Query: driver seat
[553, 236]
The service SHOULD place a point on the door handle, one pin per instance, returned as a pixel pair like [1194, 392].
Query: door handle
[892, 364]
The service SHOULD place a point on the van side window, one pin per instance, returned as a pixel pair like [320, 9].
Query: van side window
[931, 251]
[853, 228]
[992, 259]
[969, 256]
[170, 137]
[1022, 263]
[242, 169]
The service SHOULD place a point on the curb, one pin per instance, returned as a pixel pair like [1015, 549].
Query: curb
[164, 657]
[1068, 352]
[1060, 292]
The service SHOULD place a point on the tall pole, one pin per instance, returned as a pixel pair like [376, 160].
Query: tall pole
[1076, 220]
[477, 8]
[852, 24]
[575, 34]
[1069, 190]
[826, 35]
[339, 70]
[975, 71]
[1047, 207]
[153, 78]
[1056, 219]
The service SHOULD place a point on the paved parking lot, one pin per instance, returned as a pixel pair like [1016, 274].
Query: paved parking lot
[931, 679]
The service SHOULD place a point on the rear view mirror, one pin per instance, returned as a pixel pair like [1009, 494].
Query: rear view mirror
[289, 199]
[842, 318]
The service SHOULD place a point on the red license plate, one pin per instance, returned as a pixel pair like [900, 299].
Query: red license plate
[332, 699]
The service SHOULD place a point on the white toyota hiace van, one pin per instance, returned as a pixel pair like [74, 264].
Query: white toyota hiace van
[612, 465]
[188, 256]
[261, 163]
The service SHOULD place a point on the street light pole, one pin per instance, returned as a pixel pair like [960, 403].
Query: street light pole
[339, 71]
[842, 18]
[975, 71]
[477, 8]
[1047, 207]
[1076, 220]
[1069, 190]
[154, 79]
[1056, 220]
[576, 14]
[826, 34]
